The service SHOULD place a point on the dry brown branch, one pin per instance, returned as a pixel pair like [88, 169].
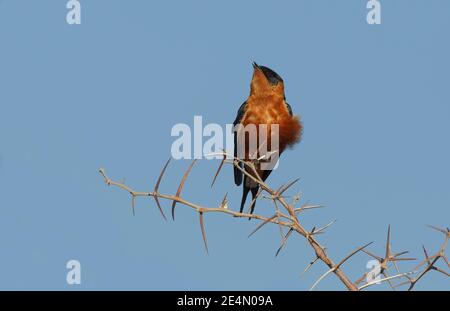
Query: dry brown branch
[286, 216]
[386, 279]
[394, 258]
[431, 261]
[335, 267]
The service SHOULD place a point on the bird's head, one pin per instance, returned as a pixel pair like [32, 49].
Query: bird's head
[265, 81]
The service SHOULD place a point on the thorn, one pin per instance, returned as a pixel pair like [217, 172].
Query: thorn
[224, 203]
[307, 207]
[321, 278]
[373, 255]
[202, 228]
[262, 224]
[386, 279]
[309, 266]
[446, 261]
[157, 188]
[351, 255]
[446, 232]
[180, 187]
[219, 169]
[388, 243]
[320, 230]
[284, 241]
[288, 186]
[441, 271]
[279, 188]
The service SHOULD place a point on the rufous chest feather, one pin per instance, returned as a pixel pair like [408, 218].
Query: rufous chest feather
[273, 110]
[265, 110]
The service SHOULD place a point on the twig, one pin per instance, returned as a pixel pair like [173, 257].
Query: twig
[288, 219]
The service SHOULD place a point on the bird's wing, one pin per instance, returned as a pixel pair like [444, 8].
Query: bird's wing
[288, 107]
[240, 114]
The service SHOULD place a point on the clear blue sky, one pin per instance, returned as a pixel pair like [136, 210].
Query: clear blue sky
[374, 101]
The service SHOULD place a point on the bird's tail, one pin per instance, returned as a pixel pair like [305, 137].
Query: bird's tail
[245, 191]
[254, 194]
[246, 188]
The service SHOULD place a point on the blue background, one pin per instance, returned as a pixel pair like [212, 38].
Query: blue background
[374, 101]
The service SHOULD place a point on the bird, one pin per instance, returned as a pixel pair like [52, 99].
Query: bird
[266, 105]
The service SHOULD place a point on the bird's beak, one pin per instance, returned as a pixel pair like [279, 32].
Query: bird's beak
[258, 69]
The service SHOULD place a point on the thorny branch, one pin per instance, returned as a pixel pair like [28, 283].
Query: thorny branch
[287, 217]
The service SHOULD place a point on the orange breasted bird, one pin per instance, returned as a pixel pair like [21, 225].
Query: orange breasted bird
[266, 105]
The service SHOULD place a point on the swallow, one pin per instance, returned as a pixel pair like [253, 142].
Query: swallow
[266, 105]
